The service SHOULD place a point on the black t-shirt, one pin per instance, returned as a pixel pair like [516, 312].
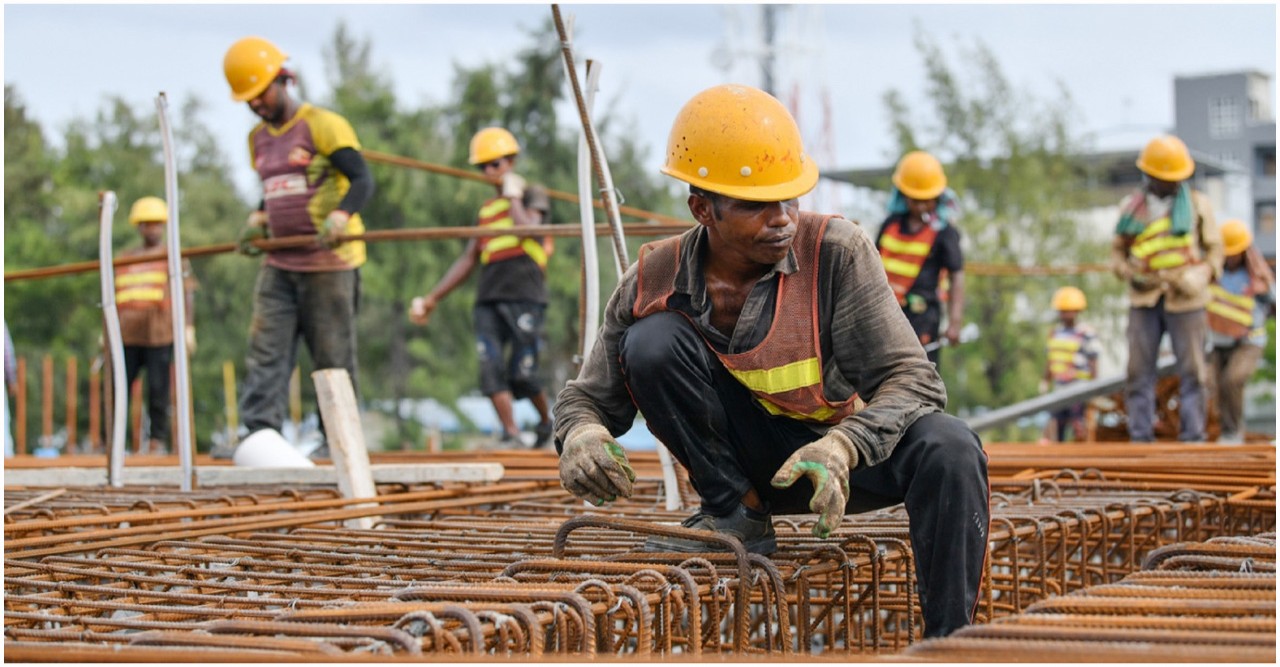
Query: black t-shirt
[519, 278]
[944, 255]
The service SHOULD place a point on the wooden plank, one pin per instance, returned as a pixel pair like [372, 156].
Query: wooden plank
[341, 415]
[383, 473]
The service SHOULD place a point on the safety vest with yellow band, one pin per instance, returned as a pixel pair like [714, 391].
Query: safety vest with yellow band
[496, 214]
[904, 255]
[783, 372]
[1066, 363]
[1230, 314]
[1157, 247]
[143, 286]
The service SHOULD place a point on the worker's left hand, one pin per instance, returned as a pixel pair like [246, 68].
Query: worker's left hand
[334, 226]
[826, 462]
[190, 332]
[953, 333]
[594, 467]
[513, 185]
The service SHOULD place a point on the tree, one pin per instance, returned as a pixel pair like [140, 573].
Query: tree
[1012, 157]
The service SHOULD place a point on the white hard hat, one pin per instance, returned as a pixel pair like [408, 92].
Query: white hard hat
[266, 448]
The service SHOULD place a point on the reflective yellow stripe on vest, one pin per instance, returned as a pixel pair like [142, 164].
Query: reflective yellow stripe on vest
[892, 243]
[820, 415]
[1233, 307]
[900, 267]
[496, 244]
[1159, 249]
[132, 294]
[803, 373]
[141, 278]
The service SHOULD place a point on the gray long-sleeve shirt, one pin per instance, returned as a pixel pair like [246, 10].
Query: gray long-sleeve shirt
[867, 344]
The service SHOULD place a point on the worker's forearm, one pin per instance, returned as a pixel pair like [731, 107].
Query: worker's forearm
[955, 305]
[457, 273]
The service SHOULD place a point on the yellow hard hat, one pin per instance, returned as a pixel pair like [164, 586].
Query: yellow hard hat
[1069, 298]
[919, 176]
[250, 65]
[1167, 159]
[148, 209]
[492, 143]
[740, 142]
[1236, 237]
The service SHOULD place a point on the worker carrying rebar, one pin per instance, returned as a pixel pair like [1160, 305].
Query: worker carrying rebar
[919, 245]
[750, 344]
[1167, 248]
[511, 299]
[144, 301]
[1072, 354]
[314, 181]
[1239, 303]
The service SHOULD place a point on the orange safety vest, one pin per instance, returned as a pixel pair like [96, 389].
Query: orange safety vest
[143, 286]
[1157, 247]
[903, 256]
[1064, 346]
[1230, 314]
[783, 372]
[496, 213]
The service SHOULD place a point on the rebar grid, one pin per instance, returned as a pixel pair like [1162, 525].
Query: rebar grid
[521, 569]
[1208, 601]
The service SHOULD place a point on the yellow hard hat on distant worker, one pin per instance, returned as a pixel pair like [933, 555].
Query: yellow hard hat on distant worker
[1069, 298]
[492, 143]
[250, 65]
[919, 176]
[1167, 159]
[740, 142]
[1236, 237]
[148, 209]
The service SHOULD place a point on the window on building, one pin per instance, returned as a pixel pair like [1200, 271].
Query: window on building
[1266, 214]
[1265, 161]
[1225, 117]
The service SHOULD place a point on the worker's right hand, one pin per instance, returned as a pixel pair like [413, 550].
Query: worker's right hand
[594, 467]
[255, 229]
[826, 462]
[513, 185]
[421, 308]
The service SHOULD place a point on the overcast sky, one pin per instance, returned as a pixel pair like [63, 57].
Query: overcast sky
[1117, 62]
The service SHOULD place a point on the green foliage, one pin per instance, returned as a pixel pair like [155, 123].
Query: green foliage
[1011, 157]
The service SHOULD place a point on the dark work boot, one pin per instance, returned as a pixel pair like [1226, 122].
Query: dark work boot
[754, 529]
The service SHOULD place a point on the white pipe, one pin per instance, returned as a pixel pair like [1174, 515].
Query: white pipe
[178, 300]
[590, 258]
[115, 348]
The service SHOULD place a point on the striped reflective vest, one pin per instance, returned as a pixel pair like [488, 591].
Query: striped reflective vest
[903, 256]
[496, 214]
[1066, 363]
[1230, 314]
[1157, 247]
[143, 286]
[783, 372]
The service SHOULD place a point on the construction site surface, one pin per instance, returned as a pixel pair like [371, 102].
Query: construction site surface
[1100, 552]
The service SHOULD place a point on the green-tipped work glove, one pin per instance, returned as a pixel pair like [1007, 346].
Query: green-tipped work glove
[335, 225]
[826, 462]
[593, 466]
[254, 230]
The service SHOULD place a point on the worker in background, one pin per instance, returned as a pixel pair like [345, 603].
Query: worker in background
[146, 319]
[1167, 248]
[1073, 357]
[749, 343]
[1240, 302]
[511, 299]
[314, 181]
[919, 245]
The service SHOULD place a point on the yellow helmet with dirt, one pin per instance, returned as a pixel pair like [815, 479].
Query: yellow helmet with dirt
[148, 209]
[1167, 159]
[919, 175]
[492, 143]
[250, 65]
[1236, 237]
[740, 142]
[1069, 298]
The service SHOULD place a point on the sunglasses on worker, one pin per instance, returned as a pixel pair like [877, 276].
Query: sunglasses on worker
[484, 166]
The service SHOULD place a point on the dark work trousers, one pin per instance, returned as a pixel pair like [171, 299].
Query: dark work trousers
[318, 308]
[729, 445]
[1187, 333]
[1229, 371]
[156, 360]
